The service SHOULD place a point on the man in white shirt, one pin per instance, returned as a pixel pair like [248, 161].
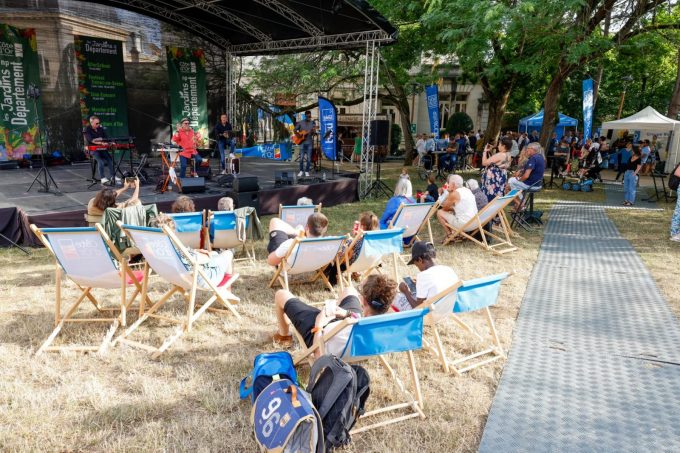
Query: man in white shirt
[458, 206]
[282, 235]
[432, 279]
[420, 148]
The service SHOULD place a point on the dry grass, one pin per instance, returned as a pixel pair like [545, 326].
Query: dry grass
[188, 400]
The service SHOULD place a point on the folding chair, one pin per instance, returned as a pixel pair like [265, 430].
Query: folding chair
[189, 228]
[375, 245]
[494, 208]
[310, 255]
[297, 215]
[465, 297]
[163, 252]
[394, 333]
[412, 218]
[228, 232]
[88, 257]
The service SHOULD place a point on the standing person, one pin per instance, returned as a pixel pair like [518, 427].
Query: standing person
[561, 155]
[496, 166]
[624, 157]
[189, 140]
[552, 147]
[223, 135]
[675, 221]
[630, 177]
[420, 149]
[646, 157]
[96, 135]
[356, 156]
[307, 129]
[535, 137]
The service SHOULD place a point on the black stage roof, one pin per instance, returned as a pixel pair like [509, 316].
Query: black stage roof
[255, 27]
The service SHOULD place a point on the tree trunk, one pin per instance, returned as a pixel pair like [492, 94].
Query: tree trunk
[552, 97]
[674, 107]
[497, 106]
[409, 144]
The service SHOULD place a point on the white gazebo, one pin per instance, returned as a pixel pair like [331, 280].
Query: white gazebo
[649, 119]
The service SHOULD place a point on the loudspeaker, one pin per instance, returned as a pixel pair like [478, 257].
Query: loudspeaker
[380, 130]
[285, 178]
[245, 184]
[204, 171]
[192, 185]
[242, 199]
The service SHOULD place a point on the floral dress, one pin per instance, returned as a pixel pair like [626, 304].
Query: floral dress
[494, 179]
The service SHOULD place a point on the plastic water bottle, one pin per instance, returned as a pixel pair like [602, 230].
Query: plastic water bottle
[323, 176]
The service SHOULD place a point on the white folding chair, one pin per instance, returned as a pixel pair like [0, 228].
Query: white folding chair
[227, 231]
[88, 258]
[169, 258]
[465, 297]
[297, 215]
[495, 208]
[374, 246]
[398, 334]
[412, 218]
[310, 255]
[189, 227]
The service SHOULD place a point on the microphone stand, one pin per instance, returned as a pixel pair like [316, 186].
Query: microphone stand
[47, 179]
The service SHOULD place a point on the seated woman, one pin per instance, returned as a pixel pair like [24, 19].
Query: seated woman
[368, 221]
[106, 198]
[183, 204]
[215, 265]
[373, 298]
[403, 193]
[225, 204]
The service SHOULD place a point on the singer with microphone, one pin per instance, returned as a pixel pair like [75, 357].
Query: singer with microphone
[189, 140]
[95, 135]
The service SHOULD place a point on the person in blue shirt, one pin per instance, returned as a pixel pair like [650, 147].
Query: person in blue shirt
[403, 193]
[624, 155]
[532, 171]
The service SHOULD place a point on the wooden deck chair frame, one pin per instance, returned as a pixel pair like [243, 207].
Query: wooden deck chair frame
[281, 272]
[194, 310]
[126, 275]
[493, 350]
[426, 220]
[315, 207]
[410, 400]
[496, 207]
[202, 232]
[249, 251]
[365, 272]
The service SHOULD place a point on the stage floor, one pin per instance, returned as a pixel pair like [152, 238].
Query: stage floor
[73, 193]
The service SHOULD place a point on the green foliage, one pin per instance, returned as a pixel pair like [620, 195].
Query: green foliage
[395, 138]
[459, 122]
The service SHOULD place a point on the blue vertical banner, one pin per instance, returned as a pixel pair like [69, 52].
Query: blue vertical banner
[432, 94]
[588, 108]
[328, 128]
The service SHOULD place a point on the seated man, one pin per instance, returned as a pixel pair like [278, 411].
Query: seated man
[432, 279]
[281, 235]
[373, 298]
[458, 206]
[532, 171]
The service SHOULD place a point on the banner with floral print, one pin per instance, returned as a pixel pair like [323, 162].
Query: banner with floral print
[186, 73]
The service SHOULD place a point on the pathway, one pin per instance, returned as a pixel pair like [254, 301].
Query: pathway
[595, 358]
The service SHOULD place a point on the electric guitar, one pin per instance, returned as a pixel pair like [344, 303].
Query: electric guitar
[299, 137]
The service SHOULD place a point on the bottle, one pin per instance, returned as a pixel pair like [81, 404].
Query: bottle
[323, 176]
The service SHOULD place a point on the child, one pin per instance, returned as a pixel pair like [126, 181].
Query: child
[432, 192]
[404, 173]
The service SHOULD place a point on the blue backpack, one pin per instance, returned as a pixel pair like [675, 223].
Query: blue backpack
[265, 367]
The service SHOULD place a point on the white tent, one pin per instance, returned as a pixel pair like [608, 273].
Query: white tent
[649, 119]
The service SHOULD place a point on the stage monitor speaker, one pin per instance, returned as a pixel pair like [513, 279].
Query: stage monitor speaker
[285, 178]
[192, 185]
[245, 184]
[243, 199]
[380, 130]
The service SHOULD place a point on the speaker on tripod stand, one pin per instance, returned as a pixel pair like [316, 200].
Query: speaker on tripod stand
[379, 139]
[44, 177]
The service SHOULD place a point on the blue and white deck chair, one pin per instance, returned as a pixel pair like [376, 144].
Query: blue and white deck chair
[398, 334]
[495, 208]
[310, 255]
[162, 251]
[227, 231]
[189, 228]
[88, 258]
[297, 215]
[465, 297]
[374, 246]
[412, 218]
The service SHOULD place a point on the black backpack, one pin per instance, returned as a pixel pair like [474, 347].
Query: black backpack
[339, 393]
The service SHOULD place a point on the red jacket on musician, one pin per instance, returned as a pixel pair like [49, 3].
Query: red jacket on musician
[188, 140]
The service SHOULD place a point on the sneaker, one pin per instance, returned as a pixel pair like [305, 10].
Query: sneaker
[118, 180]
[283, 340]
[306, 174]
[675, 238]
[300, 174]
[104, 181]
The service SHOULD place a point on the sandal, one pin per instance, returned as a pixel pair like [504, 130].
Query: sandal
[283, 340]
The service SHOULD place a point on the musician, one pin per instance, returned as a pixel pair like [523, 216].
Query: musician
[189, 140]
[306, 127]
[95, 135]
[224, 136]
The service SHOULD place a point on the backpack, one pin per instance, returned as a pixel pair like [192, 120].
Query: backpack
[673, 180]
[266, 367]
[339, 392]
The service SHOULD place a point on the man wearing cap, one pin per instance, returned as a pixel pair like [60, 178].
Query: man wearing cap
[432, 279]
[189, 141]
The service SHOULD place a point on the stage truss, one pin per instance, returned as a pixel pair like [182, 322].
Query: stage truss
[370, 108]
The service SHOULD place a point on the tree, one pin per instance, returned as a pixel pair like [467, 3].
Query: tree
[459, 122]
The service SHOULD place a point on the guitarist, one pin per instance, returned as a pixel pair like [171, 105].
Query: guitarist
[305, 129]
[223, 134]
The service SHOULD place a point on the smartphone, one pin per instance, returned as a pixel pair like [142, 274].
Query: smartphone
[130, 179]
[410, 283]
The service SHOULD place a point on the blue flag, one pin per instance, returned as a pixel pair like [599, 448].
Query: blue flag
[328, 128]
[588, 108]
[432, 93]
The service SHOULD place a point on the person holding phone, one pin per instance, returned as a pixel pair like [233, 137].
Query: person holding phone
[496, 165]
[107, 198]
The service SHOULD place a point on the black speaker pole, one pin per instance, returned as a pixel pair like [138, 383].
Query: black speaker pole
[47, 178]
[378, 186]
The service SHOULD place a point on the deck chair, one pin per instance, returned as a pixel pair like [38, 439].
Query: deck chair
[374, 247]
[465, 297]
[87, 257]
[227, 231]
[310, 255]
[412, 217]
[495, 208]
[190, 228]
[162, 249]
[132, 215]
[398, 334]
[297, 215]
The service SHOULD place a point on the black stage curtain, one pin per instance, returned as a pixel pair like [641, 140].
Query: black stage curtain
[14, 224]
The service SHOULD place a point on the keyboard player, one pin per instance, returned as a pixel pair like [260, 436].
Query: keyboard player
[96, 137]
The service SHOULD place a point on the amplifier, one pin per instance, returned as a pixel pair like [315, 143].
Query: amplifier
[204, 171]
[245, 184]
[192, 185]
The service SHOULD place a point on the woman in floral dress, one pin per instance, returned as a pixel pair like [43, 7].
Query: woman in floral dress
[495, 173]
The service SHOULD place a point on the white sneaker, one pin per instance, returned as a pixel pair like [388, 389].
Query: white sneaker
[675, 238]
[118, 180]
[104, 181]
[300, 174]
[306, 174]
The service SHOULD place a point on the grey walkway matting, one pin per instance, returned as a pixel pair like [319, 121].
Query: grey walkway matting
[595, 358]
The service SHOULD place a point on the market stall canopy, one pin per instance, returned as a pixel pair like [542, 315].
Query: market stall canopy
[537, 120]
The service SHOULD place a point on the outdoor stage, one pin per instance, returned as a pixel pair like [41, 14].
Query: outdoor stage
[68, 207]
